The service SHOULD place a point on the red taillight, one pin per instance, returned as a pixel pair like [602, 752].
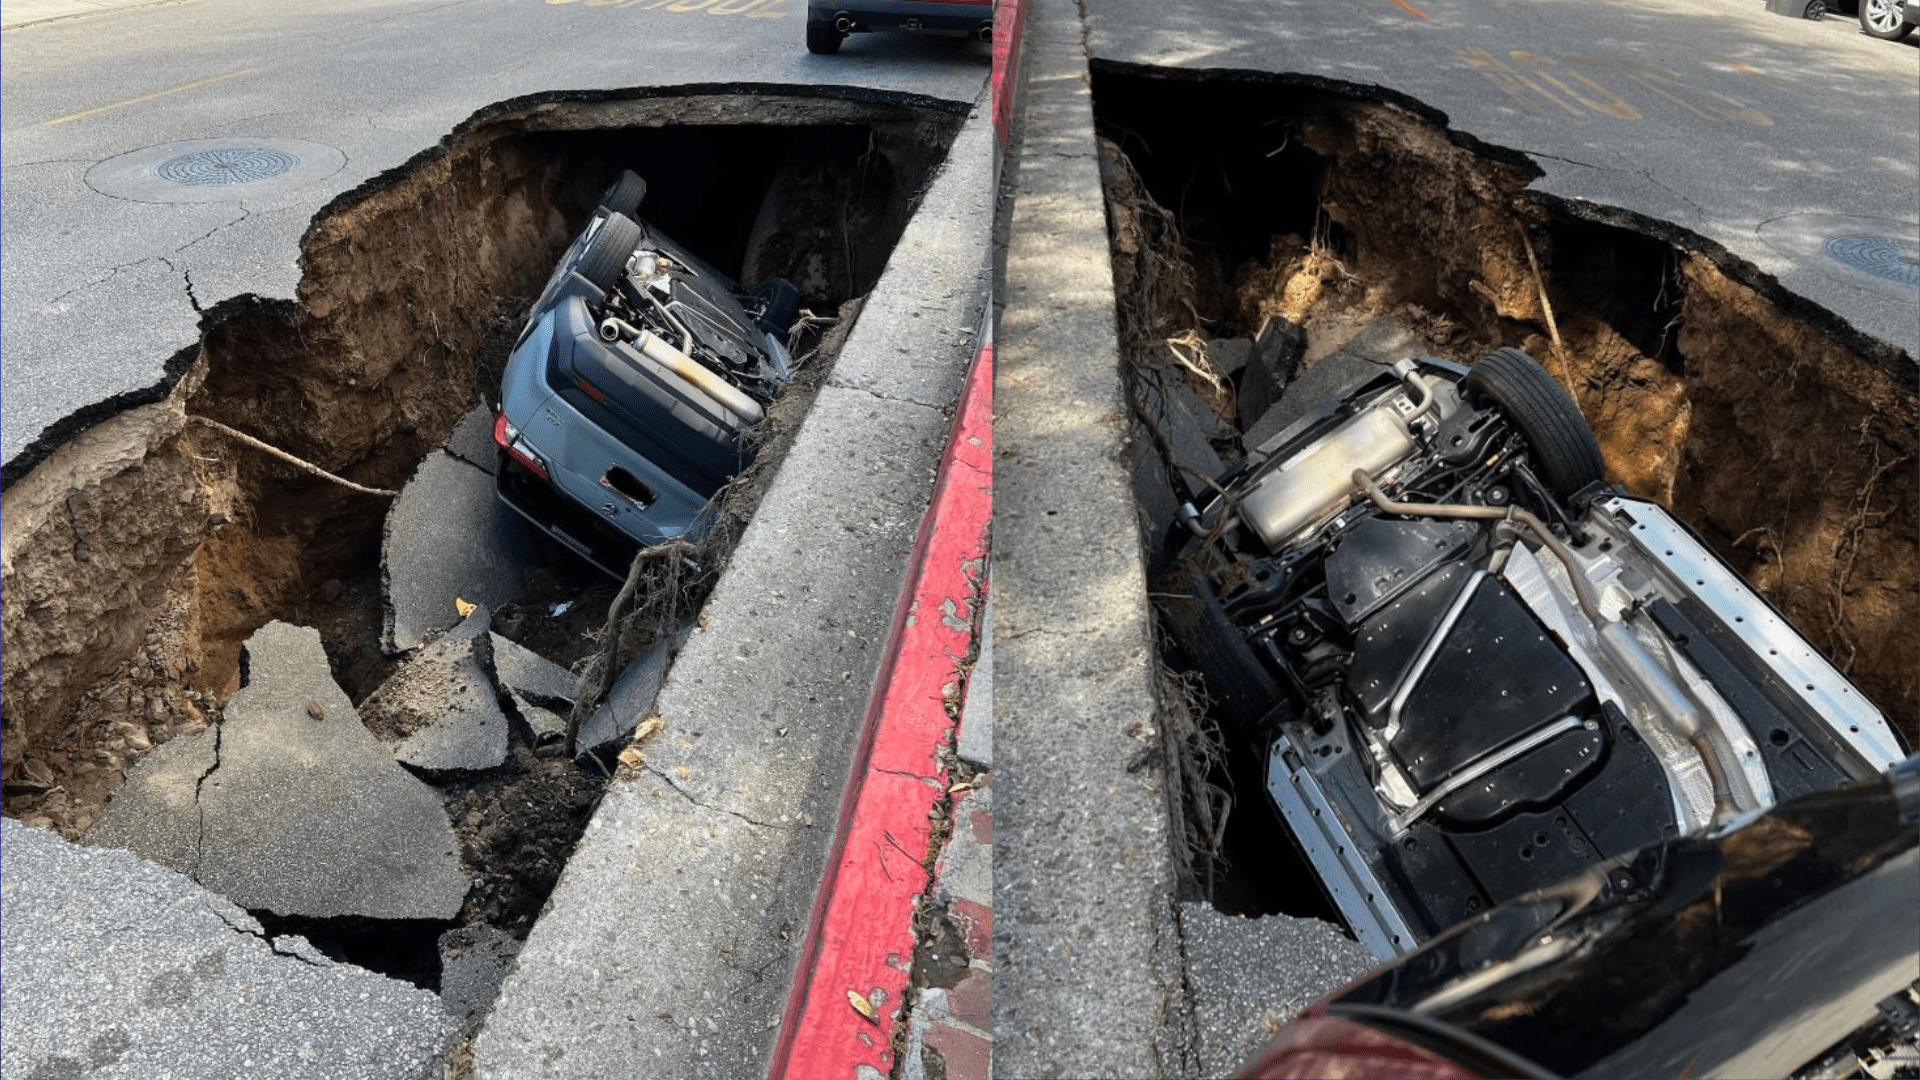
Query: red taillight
[1335, 1049]
[509, 440]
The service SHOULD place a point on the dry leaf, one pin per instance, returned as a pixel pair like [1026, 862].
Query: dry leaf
[632, 758]
[647, 727]
[463, 607]
[959, 787]
[861, 1005]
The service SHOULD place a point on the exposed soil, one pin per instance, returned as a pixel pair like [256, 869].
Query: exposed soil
[139, 554]
[1782, 435]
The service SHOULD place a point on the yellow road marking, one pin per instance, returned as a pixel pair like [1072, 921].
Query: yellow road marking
[144, 98]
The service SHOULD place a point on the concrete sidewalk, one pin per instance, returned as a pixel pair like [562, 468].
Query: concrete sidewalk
[1089, 973]
[24, 12]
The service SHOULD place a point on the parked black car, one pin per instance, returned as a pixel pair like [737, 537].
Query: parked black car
[1471, 667]
[628, 400]
[829, 22]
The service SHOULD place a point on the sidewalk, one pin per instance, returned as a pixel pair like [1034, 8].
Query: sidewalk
[26, 12]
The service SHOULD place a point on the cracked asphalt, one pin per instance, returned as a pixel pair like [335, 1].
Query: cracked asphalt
[118, 967]
[104, 293]
[1763, 134]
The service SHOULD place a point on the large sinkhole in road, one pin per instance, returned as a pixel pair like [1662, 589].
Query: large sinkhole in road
[143, 554]
[1779, 434]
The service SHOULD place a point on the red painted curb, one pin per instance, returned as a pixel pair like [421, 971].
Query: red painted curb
[860, 935]
[1009, 22]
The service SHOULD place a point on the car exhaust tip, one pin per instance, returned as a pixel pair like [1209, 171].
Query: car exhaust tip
[843, 23]
[985, 33]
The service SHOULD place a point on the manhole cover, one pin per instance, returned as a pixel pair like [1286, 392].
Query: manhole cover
[1878, 256]
[226, 166]
[1875, 255]
[215, 170]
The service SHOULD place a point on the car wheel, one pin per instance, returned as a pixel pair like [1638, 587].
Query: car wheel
[1815, 10]
[624, 194]
[823, 39]
[607, 253]
[1562, 443]
[1242, 691]
[779, 304]
[1882, 19]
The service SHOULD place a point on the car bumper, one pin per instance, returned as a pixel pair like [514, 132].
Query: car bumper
[579, 455]
[948, 17]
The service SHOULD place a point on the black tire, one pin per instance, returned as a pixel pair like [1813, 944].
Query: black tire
[607, 253]
[824, 40]
[1563, 447]
[624, 194]
[779, 304]
[1242, 691]
[1881, 19]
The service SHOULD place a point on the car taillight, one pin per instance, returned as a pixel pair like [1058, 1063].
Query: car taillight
[508, 437]
[1331, 1048]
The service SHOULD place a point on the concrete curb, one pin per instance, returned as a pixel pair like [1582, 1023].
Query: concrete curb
[860, 939]
[670, 943]
[1010, 24]
[1089, 973]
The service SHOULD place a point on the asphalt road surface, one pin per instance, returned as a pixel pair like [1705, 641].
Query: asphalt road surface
[1772, 136]
[103, 282]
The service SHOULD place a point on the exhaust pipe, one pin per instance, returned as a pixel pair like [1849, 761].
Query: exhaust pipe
[686, 367]
[985, 33]
[613, 329]
[843, 23]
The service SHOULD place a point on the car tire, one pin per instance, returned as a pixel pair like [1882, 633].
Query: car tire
[823, 39]
[779, 304]
[1882, 19]
[1562, 443]
[1242, 691]
[607, 253]
[624, 194]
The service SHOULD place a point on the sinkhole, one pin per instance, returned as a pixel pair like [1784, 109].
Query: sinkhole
[146, 548]
[1781, 435]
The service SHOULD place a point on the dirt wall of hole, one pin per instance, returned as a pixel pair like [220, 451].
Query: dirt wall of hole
[140, 553]
[1787, 439]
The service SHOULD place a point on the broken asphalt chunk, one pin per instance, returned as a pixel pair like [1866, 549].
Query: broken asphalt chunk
[447, 537]
[440, 709]
[630, 698]
[1363, 356]
[290, 805]
[472, 440]
[1272, 361]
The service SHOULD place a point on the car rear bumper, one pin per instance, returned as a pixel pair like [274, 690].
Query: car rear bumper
[565, 521]
[961, 17]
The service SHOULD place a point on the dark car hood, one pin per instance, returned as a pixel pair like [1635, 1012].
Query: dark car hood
[1711, 955]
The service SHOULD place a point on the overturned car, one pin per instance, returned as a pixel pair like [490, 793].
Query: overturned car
[629, 398]
[1470, 666]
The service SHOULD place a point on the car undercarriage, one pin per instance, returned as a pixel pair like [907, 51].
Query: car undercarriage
[1471, 667]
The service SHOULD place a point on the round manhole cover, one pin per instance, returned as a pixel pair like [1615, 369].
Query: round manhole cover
[215, 170]
[1877, 255]
[237, 165]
